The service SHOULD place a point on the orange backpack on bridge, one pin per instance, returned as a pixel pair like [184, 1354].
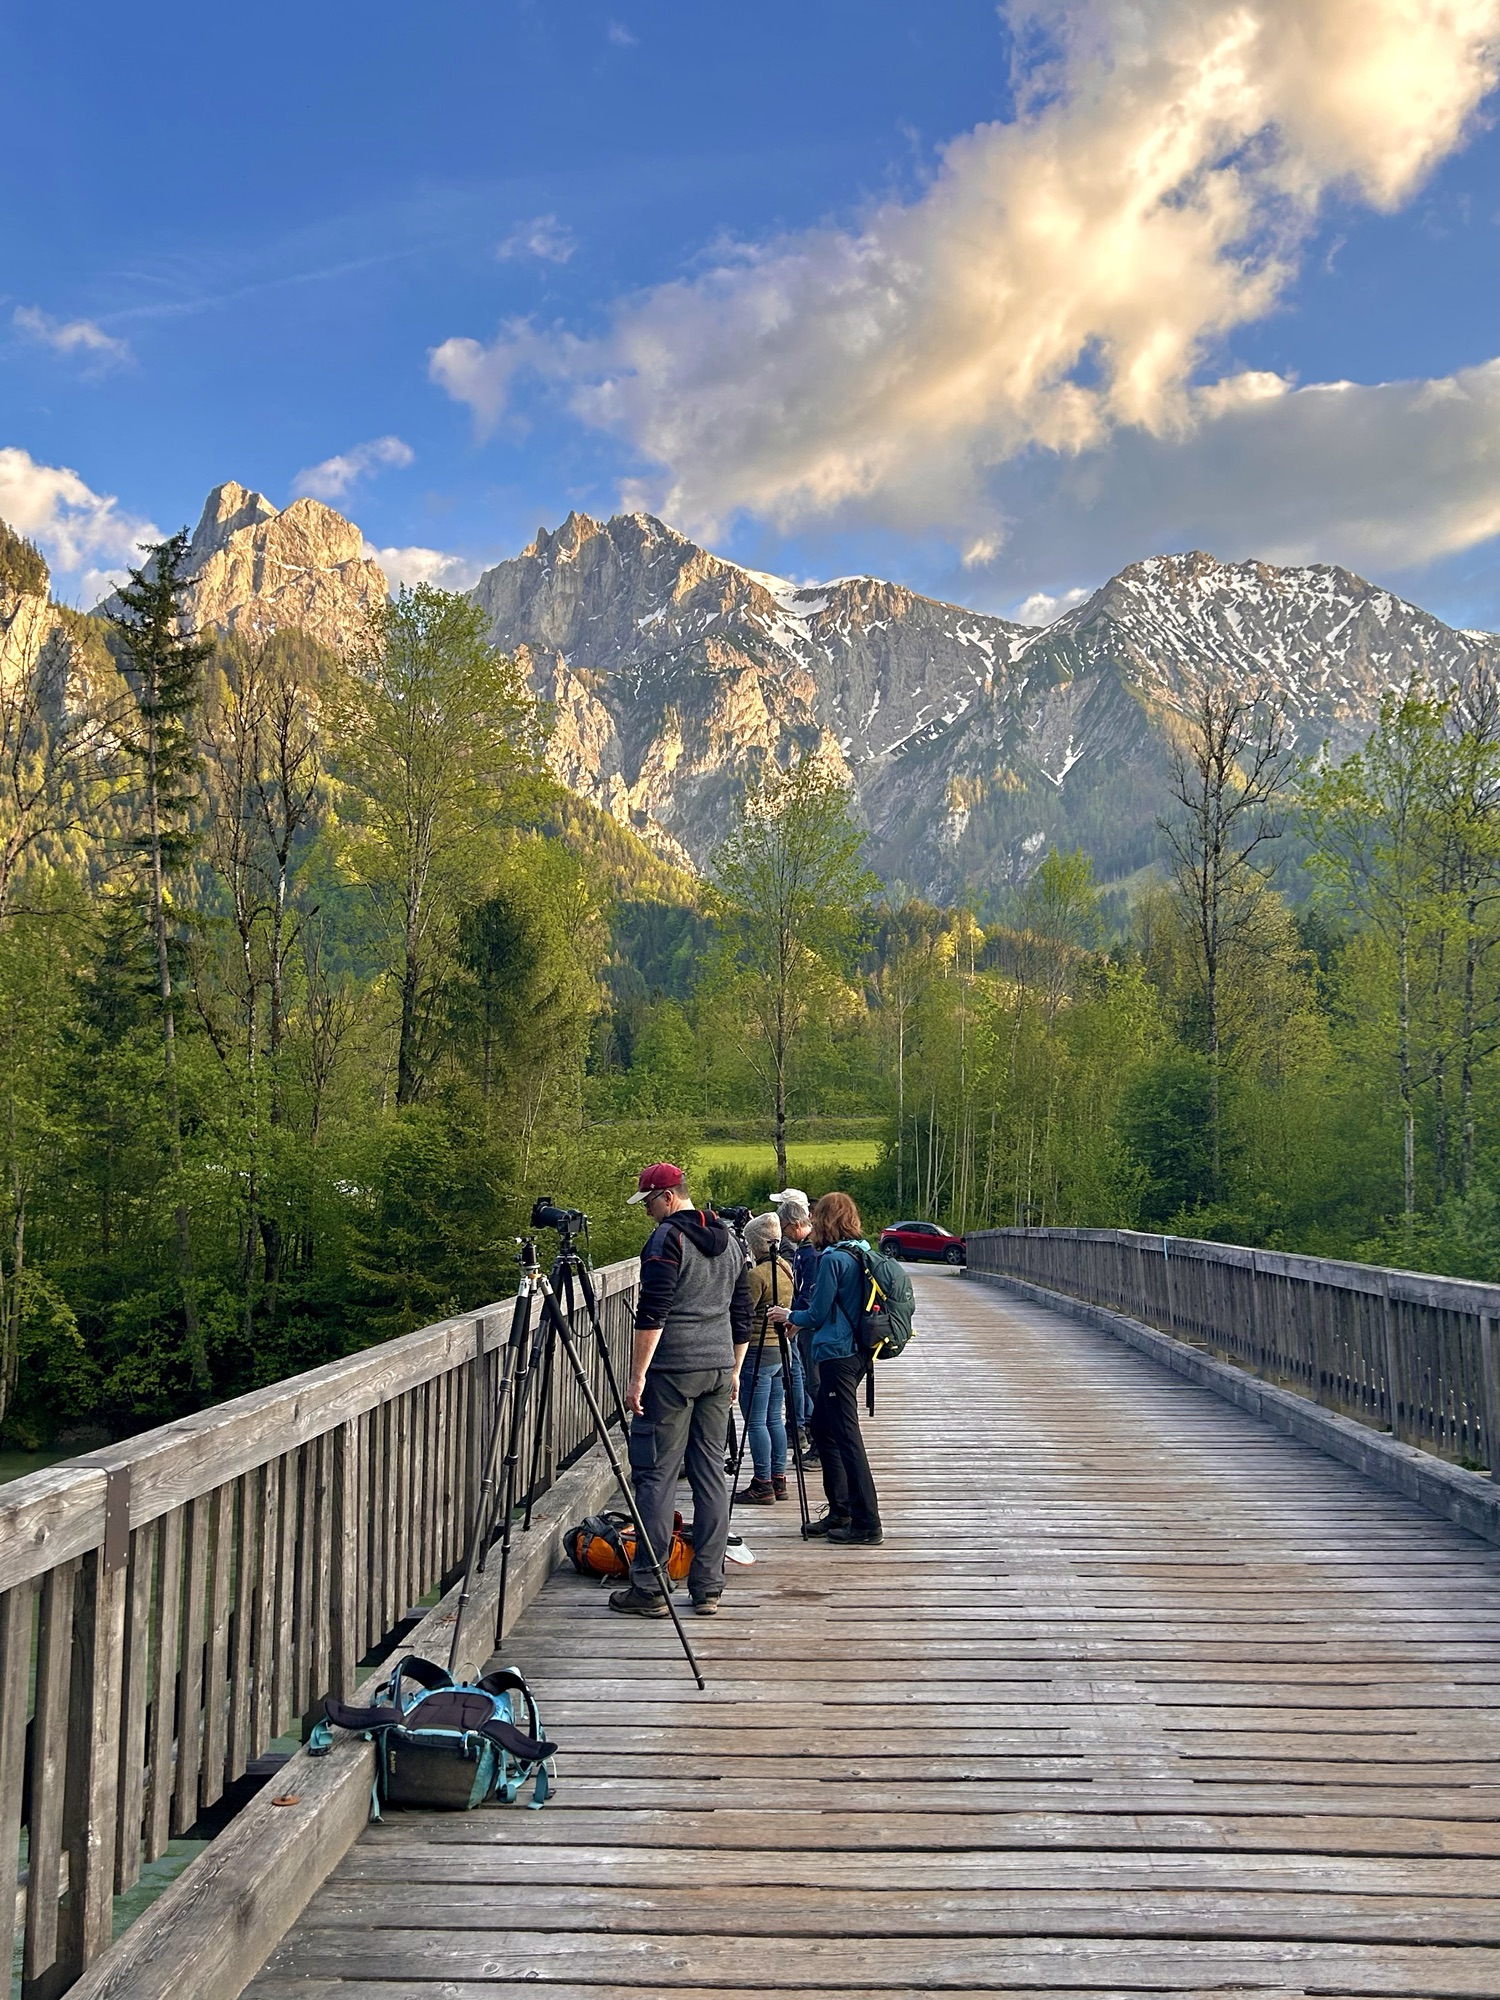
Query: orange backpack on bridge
[604, 1545]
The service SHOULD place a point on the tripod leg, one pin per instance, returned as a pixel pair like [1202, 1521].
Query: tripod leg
[601, 1343]
[524, 1398]
[607, 1443]
[485, 1498]
[745, 1421]
[793, 1431]
[539, 1436]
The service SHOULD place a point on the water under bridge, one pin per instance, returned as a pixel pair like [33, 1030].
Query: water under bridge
[1178, 1671]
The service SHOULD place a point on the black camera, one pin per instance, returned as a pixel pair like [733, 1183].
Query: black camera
[735, 1217]
[567, 1221]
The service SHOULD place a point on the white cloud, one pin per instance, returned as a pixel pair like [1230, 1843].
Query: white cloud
[73, 336]
[73, 525]
[1060, 284]
[418, 565]
[619, 36]
[543, 236]
[334, 476]
[1383, 477]
[1042, 608]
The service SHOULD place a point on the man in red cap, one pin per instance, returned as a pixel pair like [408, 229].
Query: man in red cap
[692, 1326]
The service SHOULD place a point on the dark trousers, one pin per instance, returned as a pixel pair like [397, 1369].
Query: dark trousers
[841, 1446]
[684, 1429]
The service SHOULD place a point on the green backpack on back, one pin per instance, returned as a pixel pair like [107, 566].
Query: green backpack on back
[885, 1324]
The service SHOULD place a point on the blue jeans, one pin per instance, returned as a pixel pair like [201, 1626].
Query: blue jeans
[763, 1408]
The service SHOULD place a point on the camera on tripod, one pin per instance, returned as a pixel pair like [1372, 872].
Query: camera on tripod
[735, 1217]
[567, 1221]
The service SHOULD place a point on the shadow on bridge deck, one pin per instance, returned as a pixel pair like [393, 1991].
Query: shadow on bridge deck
[1138, 1696]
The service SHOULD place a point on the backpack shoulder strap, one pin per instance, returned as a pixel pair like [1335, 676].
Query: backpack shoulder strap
[426, 1673]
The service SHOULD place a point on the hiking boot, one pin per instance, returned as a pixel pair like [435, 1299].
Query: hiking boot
[859, 1537]
[778, 1485]
[640, 1603]
[829, 1524]
[759, 1492]
[707, 1606]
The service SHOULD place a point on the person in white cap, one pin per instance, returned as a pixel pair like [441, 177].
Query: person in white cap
[692, 1326]
[795, 1211]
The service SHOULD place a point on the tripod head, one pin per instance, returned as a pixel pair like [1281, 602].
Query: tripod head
[529, 1262]
[570, 1223]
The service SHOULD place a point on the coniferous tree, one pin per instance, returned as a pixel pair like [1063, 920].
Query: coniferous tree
[164, 663]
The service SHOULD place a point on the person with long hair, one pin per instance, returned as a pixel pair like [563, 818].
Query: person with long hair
[832, 1318]
[762, 1389]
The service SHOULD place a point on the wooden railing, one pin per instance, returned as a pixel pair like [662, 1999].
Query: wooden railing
[190, 1595]
[1413, 1355]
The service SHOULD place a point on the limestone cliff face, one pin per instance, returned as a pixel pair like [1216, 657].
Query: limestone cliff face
[28, 623]
[677, 677]
[253, 568]
[973, 744]
[56, 676]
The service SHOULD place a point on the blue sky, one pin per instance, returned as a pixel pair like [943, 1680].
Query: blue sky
[989, 302]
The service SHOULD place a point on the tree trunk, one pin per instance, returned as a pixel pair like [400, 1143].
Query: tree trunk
[197, 1354]
[406, 1048]
[900, 1106]
[1403, 1060]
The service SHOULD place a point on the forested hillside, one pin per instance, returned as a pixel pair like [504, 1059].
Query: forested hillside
[312, 979]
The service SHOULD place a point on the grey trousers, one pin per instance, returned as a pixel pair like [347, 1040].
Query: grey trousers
[685, 1427]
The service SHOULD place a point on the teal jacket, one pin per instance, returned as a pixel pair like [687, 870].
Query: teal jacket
[833, 1311]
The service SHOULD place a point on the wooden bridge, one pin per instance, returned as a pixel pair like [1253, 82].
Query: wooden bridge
[1141, 1694]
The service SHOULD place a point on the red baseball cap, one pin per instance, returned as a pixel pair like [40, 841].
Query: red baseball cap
[657, 1180]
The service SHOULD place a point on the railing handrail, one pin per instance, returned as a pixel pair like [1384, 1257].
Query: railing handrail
[172, 1605]
[1420, 1287]
[47, 1517]
[1407, 1352]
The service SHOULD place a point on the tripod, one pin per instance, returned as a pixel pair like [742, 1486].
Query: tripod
[793, 1430]
[537, 1328]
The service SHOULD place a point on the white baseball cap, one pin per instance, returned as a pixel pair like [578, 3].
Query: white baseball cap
[791, 1194]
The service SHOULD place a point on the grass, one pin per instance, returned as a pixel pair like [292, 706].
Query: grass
[805, 1156]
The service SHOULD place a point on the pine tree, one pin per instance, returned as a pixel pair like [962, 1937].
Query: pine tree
[164, 663]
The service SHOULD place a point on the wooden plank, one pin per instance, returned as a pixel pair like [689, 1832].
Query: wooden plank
[190, 1673]
[49, 1765]
[306, 1567]
[47, 1518]
[289, 1504]
[163, 1722]
[221, 1541]
[135, 1701]
[242, 1623]
[17, 1611]
[91, 1800]
[345, 1648]
[264, 1604]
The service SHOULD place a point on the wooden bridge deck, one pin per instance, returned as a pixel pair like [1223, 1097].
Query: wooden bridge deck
[1137, 1697]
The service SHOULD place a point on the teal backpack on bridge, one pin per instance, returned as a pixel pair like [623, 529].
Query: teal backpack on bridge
[885, 1324]
[441, 1743]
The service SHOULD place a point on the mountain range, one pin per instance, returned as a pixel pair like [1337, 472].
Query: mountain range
[972, 743]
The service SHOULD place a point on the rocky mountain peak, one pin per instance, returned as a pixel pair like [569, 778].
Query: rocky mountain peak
[253, 567]
[227, 509]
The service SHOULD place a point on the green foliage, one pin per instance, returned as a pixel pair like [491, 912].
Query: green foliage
[413, 987]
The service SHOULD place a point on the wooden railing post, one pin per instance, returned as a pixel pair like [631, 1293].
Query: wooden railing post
[16, 1608]
[93, 1761]
[41, 1976]
[344, 1647]
[1489, 1365]
[1393, 1385]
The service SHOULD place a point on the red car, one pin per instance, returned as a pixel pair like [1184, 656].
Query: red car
[911, 1241]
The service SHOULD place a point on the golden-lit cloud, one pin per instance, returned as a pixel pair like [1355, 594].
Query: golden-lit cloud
[1062, 282]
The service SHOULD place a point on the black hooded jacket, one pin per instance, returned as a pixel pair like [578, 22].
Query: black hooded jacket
[701, 1303]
